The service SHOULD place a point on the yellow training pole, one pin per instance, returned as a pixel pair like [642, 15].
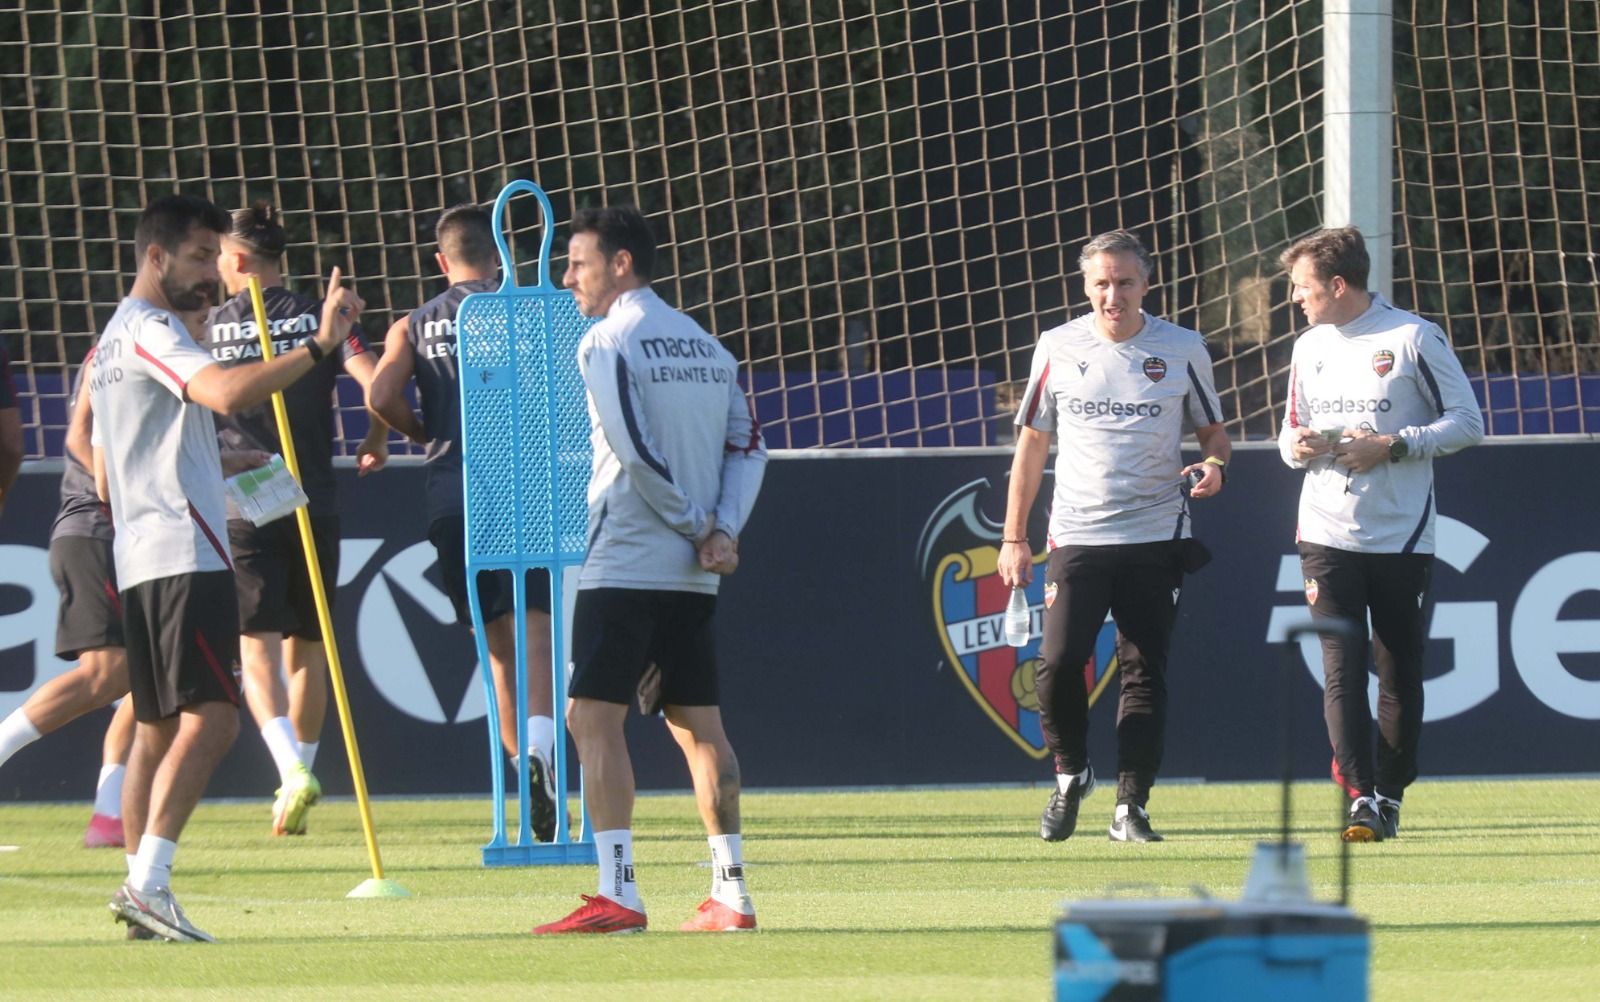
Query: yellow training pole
[377, 886]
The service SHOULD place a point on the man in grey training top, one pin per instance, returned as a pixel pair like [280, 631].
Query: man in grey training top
[153, 389]
[677, 464]
[1374, 394]
[1116, 386]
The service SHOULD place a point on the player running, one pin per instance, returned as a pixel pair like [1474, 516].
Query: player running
[422, 345]
[88, 630]
[280, 638]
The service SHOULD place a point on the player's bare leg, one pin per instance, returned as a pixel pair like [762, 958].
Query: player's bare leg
[608, 789]
[105, 824]
[500, 637]
[715, 771]
[596, 728]
[100, 678]
[261, 656]
[171, 763]
[307, 661]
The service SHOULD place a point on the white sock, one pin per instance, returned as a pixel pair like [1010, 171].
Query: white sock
[1123, 810]
[542, 735]
[278, 733]
[108, 795]
[1064, 779]
[152, 867]
[132, 862]
[308, 752]
[727, 871]
[16, 733]
[615, 849]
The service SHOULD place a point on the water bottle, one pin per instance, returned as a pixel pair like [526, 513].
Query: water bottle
[1019, 619]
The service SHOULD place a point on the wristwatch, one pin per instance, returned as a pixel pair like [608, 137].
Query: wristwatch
[1398, 449]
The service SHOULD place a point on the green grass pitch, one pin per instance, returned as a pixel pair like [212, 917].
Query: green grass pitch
[1492, 892]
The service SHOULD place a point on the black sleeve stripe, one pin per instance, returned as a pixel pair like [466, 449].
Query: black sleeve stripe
[631, 419]
[1422, 523]
[1200, 391]
[1433, 384]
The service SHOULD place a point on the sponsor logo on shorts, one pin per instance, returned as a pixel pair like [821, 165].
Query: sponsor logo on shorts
[1311, 591]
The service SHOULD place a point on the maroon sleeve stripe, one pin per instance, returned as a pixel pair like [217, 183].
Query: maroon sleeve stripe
[1294, 403]
[1031, 404]
[139, 350]
[229, 686]
[194, 513]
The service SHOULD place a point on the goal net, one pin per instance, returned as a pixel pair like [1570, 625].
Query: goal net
[875, 204]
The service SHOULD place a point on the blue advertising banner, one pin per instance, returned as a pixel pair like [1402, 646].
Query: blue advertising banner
[860, 641]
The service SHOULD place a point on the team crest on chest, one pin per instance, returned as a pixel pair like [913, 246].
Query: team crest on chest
[1155, 368]
[1382, 361]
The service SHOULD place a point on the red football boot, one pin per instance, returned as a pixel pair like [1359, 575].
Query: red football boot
[597, 914]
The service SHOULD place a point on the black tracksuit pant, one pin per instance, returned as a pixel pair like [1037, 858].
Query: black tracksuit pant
[1394, 587]
[1138, 583]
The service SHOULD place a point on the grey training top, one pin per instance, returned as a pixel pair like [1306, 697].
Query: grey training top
[674, 440]
[1392, 373]
[160, 450]
[1118, 410]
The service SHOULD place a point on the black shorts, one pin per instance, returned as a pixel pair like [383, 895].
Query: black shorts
[183, 643]
[618, 632]
[448, 534]
[270, 573]
[90, 614]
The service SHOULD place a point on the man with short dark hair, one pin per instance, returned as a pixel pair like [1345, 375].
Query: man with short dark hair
[422, 345]
[1117, 387]
[284, 659]
[157, 461]
[678, 461]
[1375, 393]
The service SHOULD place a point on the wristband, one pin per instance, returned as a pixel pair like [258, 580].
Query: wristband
[1222, 466]
[315, 349]
[1021, 542]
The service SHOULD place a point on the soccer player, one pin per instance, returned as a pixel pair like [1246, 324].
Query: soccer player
[88, 630]
[1116, 386]
[277, 609]
[156, 455]
[422, 345]
[678, 461]
[1375, 393]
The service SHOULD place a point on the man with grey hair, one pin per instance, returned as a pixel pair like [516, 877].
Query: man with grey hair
[1117, 386]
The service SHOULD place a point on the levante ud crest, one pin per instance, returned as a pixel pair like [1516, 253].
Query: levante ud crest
[959, 554]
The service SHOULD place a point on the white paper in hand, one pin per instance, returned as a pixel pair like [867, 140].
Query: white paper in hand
[264, 494]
